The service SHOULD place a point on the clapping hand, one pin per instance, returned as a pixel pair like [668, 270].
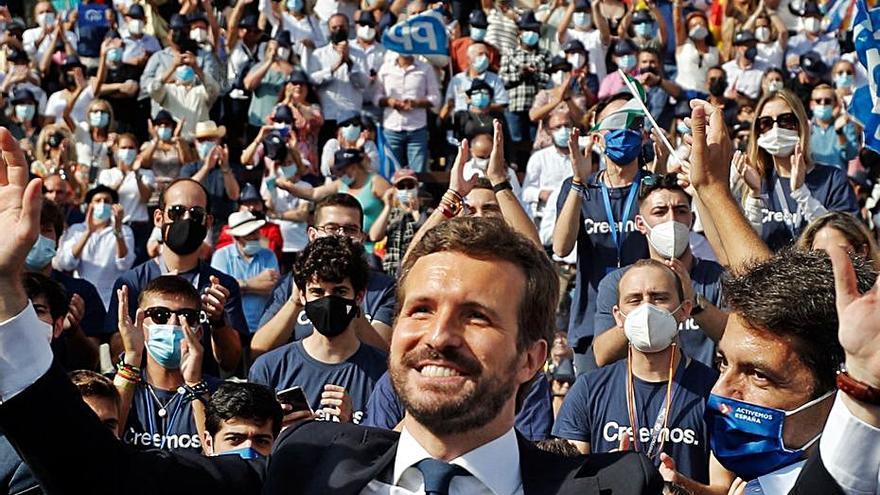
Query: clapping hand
[497, 168]
[191, 351]
[131, 332]
[456, 177]
[581, 162]
[214, 300]
[745, 170]
[798, 167]
[336, 402]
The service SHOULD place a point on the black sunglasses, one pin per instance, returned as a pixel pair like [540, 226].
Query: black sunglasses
[161, 315]
[652, 182]
[787, 120]
[196, 213]
[406, 185]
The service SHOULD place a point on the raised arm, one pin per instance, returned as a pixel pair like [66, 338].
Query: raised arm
[568, 223]
[601, 23]
[511, 208]
[678, 25]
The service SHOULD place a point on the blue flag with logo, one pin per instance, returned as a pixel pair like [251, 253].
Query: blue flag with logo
[422, 34]
[865, 104]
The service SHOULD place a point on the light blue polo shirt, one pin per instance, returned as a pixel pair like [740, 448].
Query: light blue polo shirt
[230, 261]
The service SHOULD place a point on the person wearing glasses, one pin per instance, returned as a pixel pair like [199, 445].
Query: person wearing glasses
[401, 218]
[834, 138]
[163, 403]
[183, 222]
[285, 320]
[666, 218]
[786, 188]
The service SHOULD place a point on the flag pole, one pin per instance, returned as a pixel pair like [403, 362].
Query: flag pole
[650, 117]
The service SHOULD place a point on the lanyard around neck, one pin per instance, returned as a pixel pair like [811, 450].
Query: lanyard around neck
[613, 225]
[660, 424]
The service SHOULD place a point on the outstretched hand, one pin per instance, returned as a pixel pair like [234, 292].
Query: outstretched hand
[711, 152]
[497, 169]
[457, 181]
[581, 162]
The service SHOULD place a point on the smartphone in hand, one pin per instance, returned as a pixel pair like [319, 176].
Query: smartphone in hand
[296, 398]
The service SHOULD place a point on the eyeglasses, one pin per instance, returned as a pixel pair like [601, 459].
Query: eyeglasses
[335, 229]
[652, 182]
[196, 213]
[824, 101]
[161, 315]
[787, 120]
[406, 185]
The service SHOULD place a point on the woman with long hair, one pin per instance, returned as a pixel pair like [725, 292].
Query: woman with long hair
[840, 229]
[786, 190]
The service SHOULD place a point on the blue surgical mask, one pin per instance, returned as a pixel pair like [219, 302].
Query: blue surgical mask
[747, 438]
[126, 155]
[581, 19]
[644, 29]
[481, 64]
[843, 80]
[41, 254]
[405, 196]
[295, 5]
[164, 345]
[114, 55]
[99, 119]
[824, 112]
[347, 180]
[164, 133]
[245, 453]
[25, 112]
[351, 132]
[204, 149]
[529, 38]
[561, 136]
[251, 248]
[289, 171]
[185, 73]
[102, 211]
[478, 34]
[480, 100]
[682, 128]
[622, 146]
[626, 62]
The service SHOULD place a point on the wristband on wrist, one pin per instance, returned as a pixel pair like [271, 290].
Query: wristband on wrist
[856, 389]
[502, 186]
[128, 373]
[578, 188]
[195, 392]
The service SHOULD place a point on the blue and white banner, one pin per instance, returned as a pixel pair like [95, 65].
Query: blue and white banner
[865, 105]
[423, 34]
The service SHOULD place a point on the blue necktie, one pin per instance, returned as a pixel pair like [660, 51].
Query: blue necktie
[438, 475]
[754, 488]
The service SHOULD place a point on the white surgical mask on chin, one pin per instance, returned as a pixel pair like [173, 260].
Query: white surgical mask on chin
[650, 328]
[670, 239]
[481, 164]
[778, 141]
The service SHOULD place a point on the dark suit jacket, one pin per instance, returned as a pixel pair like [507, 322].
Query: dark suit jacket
[815, 480]
[71, 452]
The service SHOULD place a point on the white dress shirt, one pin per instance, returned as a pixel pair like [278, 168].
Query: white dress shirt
[546, 170]
[746, 81]
[190, 103]
[417, 81]
[98, 262]
[850, 449]
[493, 468]
[29, 42]
[341, 91]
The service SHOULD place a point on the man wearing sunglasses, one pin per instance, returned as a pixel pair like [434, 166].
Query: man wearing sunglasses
[597, 211]
[183, 219]
[163, 402]
[665, 218]
[833, 139]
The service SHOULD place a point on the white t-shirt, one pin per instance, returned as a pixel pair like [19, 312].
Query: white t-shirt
[294, 234]
[129, 194]
[29, 40]
[771, 54]
[592, 42]
[58, 102]
[89, 152]
[693, 66]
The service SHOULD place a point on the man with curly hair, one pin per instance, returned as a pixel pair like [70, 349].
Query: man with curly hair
[335, 369]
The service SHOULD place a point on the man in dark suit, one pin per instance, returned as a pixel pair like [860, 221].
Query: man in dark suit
[476, 315]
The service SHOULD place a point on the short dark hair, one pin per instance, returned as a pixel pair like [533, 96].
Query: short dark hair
[52, 215]
[171, 286]
[492, 239]
[652, 51]
[184, 179]
[648, 262]
[333, 258]
[341, 200]
[791, 295]
[483, 183]
[248, 401]
[91, 384]
[39, 285]
[654, 182]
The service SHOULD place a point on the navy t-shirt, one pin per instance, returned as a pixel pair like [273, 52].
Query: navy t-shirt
[290, 365]
[176, 430]
[828, 185]
[597, 253]
[533, 421]
[706, 278]
[595, 411]
[378, 305]
[137, 279]
[92, 322]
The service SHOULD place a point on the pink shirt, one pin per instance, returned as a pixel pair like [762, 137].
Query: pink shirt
[610, 85]
[415, 82]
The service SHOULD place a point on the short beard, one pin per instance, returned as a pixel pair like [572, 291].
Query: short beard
[460, 414]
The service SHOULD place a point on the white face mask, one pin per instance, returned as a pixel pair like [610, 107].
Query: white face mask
[282, 53]
[699, 33]
[366, 33]
[558, 78]
[481, 164]
[136, 27]
[576, 60]
[774, 86]
[762, 34]
[778, 141]
[669, 239]
[812, 25]
[45, 19]
[199, 35]
[650, 328]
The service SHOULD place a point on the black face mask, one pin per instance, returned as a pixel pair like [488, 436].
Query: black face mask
[751, 53]
[259, 215]
[184, 236]
[339, 36]
[68, 81]
[331, 314]
[717, 86]
[650, 70]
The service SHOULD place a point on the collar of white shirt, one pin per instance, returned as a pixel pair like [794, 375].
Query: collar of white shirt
[490, 463]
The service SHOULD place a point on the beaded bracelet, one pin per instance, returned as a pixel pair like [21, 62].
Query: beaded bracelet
[128, 372]
[195, 392]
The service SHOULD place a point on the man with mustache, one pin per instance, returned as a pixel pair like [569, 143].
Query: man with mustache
[477, 304]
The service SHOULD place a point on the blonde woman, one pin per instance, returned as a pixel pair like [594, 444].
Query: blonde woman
[785, 189]
[54, 152]
[843, 230]
[93, 139]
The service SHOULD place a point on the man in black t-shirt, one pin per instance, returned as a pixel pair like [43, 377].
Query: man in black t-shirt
[337, 372]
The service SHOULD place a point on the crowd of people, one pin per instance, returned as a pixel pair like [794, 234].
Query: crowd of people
[618, 243]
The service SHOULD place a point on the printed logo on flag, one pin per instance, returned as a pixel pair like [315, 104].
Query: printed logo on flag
[423, 34]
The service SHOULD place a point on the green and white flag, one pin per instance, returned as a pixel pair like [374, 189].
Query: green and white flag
[623, 117]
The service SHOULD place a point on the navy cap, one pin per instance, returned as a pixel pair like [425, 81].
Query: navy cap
[21, 95]
[366, 19]
[72, 61]
[275, 146]
[16, 55]
[298, 77]
[283, 38]
[283, 114]
[195, 16]
[178, 22]
[136, 11]
[528, 22]
[164, 117]
[480, 85]
[478, 19]
[558, 63]
[812, 64]
[642, 17]
[345, 157]
[624, 46]
[862, 178]
[114, 196]
[582, 6]
[573, 45]
[810, 9]
[249, 193]
[16, 24]
[744, 37]
[249, 21]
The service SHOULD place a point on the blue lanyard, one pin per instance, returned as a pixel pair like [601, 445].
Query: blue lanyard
[790, 220]
[612, 223]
